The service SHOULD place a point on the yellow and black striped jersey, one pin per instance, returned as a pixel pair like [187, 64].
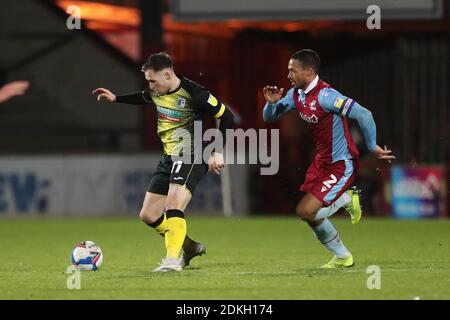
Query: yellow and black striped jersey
[179, 109]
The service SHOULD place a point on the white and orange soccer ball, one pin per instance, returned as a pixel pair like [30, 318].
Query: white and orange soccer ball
[87, 255]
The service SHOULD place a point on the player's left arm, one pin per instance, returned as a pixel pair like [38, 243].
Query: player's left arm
[333, 101]
[209, 104]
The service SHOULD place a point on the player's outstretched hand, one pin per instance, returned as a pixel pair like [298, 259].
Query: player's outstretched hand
[105, 94]
[272, 93]
[216, 163]
[384, 154]
[15, 88]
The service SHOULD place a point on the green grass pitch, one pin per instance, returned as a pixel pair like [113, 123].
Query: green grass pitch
[248, 258]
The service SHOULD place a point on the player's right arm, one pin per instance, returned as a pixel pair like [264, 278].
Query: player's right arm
[138, 98]
[276, 106]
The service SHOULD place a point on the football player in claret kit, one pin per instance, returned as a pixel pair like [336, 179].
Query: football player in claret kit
[330, 176]
[179, 103]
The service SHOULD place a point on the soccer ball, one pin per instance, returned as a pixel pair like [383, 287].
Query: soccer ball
[87, 255]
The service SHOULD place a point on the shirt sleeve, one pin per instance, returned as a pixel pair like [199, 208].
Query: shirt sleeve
[366, 123]
[137, 98]
[208, 103]
[274, 111]
[333, 101]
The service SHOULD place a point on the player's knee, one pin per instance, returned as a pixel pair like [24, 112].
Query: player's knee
[143, 215]
[147, 215]
[303, 213]
[300, 211]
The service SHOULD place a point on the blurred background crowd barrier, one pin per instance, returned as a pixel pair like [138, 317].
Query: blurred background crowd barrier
[64, 154]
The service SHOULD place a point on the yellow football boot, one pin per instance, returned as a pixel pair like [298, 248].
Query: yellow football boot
[353, 208]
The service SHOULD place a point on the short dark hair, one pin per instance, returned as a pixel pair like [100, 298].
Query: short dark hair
[158, 61]
[308, 58]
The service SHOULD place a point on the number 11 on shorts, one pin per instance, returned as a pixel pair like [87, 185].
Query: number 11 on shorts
[176, 166]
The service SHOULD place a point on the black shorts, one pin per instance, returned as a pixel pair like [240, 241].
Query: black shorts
[176, 171]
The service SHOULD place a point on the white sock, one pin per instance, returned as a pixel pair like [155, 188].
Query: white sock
[333, 208]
